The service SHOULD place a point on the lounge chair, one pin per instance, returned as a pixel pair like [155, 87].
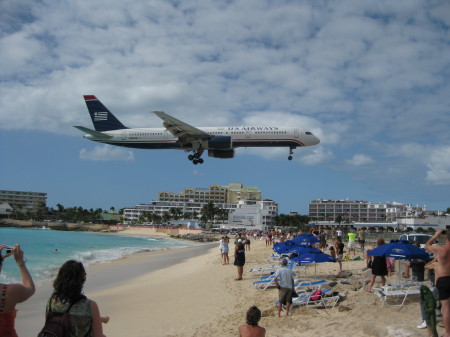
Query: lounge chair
[310, 299]
[267, 283]
[395, 295]
[270, 269]
[262, 270]
[303, 286]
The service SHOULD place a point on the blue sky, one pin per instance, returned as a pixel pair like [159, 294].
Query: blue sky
[370, 78]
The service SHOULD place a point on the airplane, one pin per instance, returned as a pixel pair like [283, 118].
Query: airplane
[220, 142]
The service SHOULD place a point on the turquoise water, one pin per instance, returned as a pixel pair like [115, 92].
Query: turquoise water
[43, 262]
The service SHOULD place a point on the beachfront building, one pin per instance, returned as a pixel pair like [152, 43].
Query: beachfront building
[230, 194]
[5, 210]
[361, 211]
[253, 215]
[24, 201]
[161, 207]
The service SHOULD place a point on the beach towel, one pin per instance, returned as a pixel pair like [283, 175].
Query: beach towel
[390, 265]
[315, 296]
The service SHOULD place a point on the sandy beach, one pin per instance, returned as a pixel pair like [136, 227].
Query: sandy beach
[188, 292]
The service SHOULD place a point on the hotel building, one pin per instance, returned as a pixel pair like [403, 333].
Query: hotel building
[230, 194]
[24, 201]
[361, 211]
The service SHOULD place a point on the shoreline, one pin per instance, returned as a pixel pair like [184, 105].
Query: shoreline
[117, 273]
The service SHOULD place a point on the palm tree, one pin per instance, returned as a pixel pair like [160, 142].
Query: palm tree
[165, 217]
[209, 211]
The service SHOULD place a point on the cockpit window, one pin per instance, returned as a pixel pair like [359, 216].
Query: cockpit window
[308, 133]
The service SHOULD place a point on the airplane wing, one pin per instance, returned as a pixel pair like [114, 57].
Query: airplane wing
[183, 131]
[94, 133]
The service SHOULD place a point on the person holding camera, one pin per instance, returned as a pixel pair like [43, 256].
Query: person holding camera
[11, 294]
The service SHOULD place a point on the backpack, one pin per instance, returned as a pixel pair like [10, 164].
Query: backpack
[57, 323]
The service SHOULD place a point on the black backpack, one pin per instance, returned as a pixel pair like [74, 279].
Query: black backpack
[56, 323]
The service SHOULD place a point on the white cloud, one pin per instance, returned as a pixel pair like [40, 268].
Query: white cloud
[439, 166]
[351, 72]
[359, 159]
[106, 153]
[317, 155]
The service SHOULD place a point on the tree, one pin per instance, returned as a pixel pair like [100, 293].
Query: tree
[165, 217]
[175, 213]
[209, 211]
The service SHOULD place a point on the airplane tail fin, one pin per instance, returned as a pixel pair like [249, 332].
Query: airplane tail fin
[102, 118]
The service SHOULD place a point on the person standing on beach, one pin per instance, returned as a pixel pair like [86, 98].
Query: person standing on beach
[362, 238]
[379, 267]
[239, 258]
[84, 314]
[442, 253]
[12, 294]
[339, 247]
[224, 248]
[247, 241]
[284, 280]
[339, 234]
[252, 329]
[352, 242]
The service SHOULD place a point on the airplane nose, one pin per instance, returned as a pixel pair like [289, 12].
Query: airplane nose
[316, 140]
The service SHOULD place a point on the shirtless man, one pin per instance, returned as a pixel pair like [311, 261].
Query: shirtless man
[252, 329]
[442, 253]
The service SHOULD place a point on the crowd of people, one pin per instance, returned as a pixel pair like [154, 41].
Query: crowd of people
[381, 266]
[84, 314]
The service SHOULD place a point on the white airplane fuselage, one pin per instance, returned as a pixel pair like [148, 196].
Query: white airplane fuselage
[241, 136]
[220, 142]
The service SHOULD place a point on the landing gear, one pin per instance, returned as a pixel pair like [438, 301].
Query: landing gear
[291, 152]
[196, 157]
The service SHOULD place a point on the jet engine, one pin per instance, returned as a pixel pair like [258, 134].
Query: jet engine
[221, 153]
[220, 142]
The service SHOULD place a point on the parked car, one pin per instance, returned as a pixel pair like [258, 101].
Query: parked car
[416, 237]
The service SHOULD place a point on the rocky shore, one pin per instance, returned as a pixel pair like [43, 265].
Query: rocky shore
[54, 225]
[197, 237]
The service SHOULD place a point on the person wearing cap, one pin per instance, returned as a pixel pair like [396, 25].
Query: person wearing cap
[284, 280]
[239, 258]
[238, 237]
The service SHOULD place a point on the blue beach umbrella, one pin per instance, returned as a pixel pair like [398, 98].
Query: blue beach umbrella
[399, 249]
[314, 258]
[300, 250]
[306, 239]
[284, 247]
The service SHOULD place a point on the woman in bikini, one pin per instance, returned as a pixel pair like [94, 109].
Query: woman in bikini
[11, 294]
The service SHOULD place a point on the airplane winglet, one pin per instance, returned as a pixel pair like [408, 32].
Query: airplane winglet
[89, 97]
[94, 133]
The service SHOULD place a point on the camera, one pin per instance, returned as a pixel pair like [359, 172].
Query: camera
[8, 250]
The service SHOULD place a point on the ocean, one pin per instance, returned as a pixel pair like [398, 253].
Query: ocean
[43, 261]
